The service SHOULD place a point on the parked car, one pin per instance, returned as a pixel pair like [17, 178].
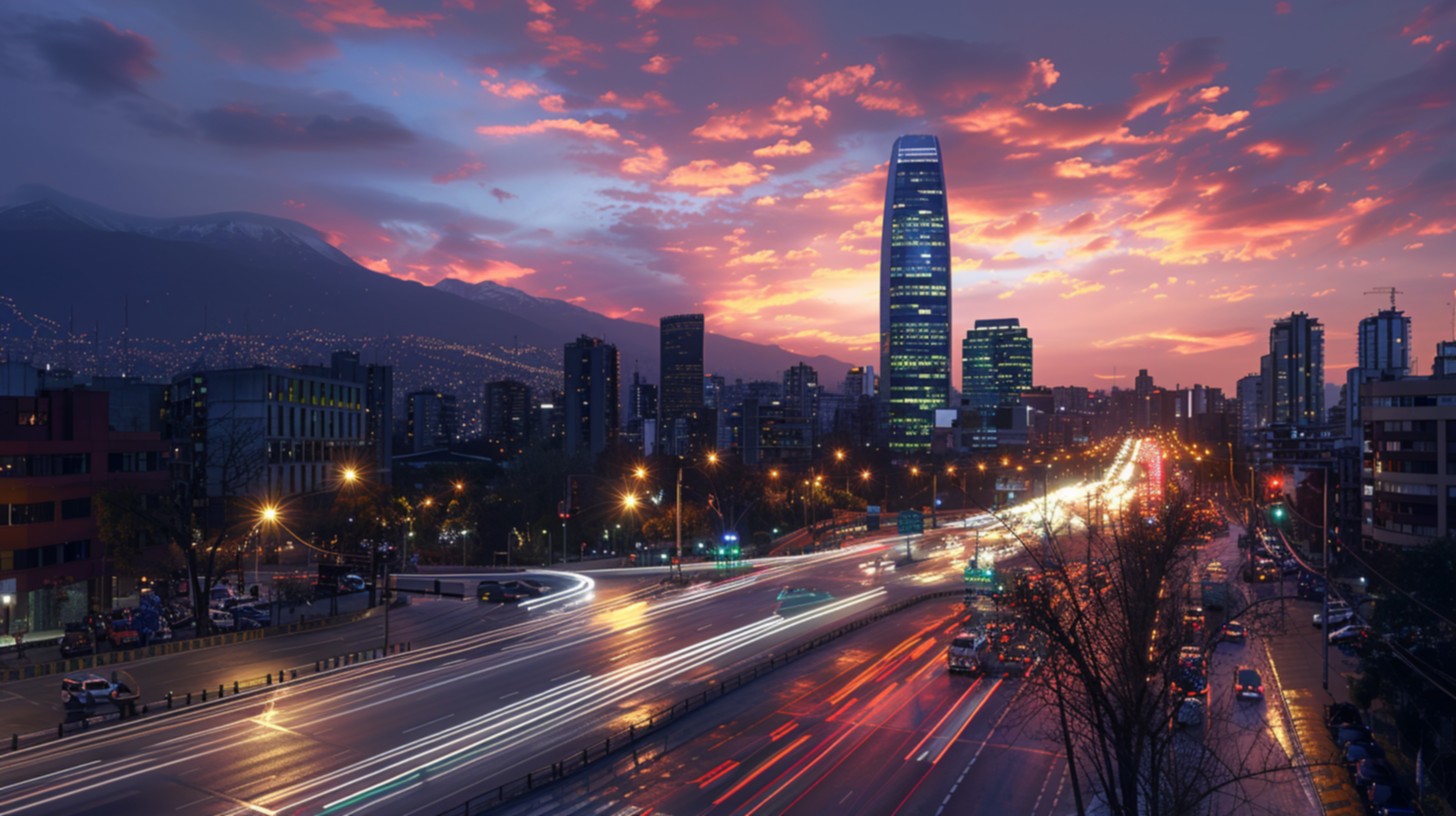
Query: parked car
[1372, 771]
[1352, 733]
[1353, 633]
[1364, 749]
[163, 632]
[1247, 684]
[1233, 631]
[1340, 614]
[221, 621]
[123, 631]
[352, 583]
[77, 640]
[496, 592]
[258, 614]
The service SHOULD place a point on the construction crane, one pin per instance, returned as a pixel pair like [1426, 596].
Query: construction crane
[1390, 291]
[1386, 290]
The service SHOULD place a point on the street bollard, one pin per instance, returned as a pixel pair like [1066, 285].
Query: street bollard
[270, 678]
[316, 667]
[60, 730]
[235, 688]
[204, 695]
[189, 698]
[632, 732]
[219, 691]
[15, 742]
[295, 674]
[169, 701]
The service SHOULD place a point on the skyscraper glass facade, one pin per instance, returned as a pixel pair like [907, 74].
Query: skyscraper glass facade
[680, 387]
[995, 366]
[915, 344]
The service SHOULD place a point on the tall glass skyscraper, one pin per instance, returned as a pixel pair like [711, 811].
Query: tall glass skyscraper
[995, 366]
[915, 344]
[1294, 371]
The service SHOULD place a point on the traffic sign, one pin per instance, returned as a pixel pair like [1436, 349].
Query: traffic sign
[910, 522]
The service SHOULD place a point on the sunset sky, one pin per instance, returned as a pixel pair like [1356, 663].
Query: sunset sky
[1143, 184]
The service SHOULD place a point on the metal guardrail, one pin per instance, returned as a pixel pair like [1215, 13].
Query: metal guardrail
[626, 740]
[174, 701]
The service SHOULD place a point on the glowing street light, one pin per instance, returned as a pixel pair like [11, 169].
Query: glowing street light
[269, 513]
[629, 502]
[350, 475]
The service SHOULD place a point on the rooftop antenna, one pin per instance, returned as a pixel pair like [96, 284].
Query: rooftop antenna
[1386, 290]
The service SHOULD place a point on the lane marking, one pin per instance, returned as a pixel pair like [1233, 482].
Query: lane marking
[426, 724]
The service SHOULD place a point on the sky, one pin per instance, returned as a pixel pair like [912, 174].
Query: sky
[1142, 184]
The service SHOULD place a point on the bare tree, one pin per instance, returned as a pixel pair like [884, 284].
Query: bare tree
[1112, 624]
[208, 513]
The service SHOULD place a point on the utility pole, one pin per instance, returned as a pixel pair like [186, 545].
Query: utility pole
[1325, 557]
[679, 518]
[934, 496]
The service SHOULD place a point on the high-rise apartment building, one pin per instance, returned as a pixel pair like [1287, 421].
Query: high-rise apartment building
[1294, 387]
[591, 395]
[507, 416]
[1382, 353]
[859, 381]
[431, 418]
[915, 302]
[680, 395]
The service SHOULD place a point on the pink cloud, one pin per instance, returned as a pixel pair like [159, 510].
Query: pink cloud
[784, 148]
[589, 129]
[659, 64]
[328, 15]
[712, 179]
[843, 82]
[460, 173]
[514, 89]
[652, 100]
[651, 161]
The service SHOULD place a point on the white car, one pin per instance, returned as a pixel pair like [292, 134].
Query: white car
[221, 621]
[1340, 614]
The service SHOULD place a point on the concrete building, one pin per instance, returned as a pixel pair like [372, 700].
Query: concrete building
[56, 453]
[507, 417]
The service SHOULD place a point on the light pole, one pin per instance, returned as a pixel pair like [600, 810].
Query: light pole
[6, 601]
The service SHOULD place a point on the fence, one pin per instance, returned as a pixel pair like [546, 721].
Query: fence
[627, 740]
[174, 700]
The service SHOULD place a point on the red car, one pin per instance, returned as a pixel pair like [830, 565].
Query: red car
[123, 631]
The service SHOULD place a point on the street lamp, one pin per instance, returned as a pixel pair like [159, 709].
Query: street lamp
[6, 601]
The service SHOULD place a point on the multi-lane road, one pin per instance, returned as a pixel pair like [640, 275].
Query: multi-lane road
[870, 723]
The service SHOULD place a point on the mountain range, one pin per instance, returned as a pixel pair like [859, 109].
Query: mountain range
[176, 282]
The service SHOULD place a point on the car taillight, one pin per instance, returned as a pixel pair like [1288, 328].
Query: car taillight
[1261, 689]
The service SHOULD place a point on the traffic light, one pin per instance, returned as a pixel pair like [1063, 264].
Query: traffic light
[1277, 512]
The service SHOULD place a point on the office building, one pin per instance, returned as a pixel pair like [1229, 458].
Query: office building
[377, 382]
[591, 395]
[915, 301]
[56, 453]
[996, 367]
[265, 431]
[641, 415]
[680, 396]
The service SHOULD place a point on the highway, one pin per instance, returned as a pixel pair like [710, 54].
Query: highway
[521, 686]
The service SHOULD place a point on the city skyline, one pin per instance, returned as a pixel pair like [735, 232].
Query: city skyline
[1155, 205]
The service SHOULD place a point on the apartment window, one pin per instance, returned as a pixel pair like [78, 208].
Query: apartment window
[77, 508]
[32, 513]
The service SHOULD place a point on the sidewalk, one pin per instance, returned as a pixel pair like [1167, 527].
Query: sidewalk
[1295, 655]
